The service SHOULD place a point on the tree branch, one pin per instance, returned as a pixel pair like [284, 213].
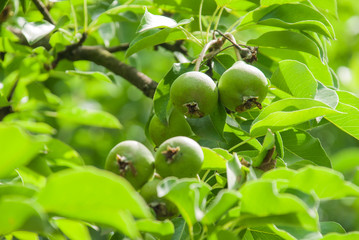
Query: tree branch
[42, 8]
[101, 56]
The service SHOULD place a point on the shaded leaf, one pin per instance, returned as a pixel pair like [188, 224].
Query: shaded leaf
[331, 227]
[236, 173]
[302, 146]
[3, 4]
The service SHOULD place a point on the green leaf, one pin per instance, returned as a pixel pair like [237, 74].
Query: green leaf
[189, 196]
[25, 4]
[236, 173]
[295, 79]
[159, 228]
[286, 40]
[17, 190]
[268, 144]
[331, 227]
[115, 14]
[23, 235]
[305, 18]
[327, 6]
[90, 75]
[225, 200]
[3, 5]
[73, 229]
[181, 229]
[151, 21]
[34, 31]
[319, 69]
[222, 3]
[94, 195]
[20, 215]
[213, 160]
[327, 96]
[348, 119]
[17, 148]
[262, 204]
[187, 6]
[325, 182]
[154, 37]
[59, 153]
[288, 112]
[337, 236]
[300, 145]
[35, 127]
[88, 117]
[221, 63]
[300, 233]
[162, 95]
[206, 128]
[345, 160]
[270, 232]
[272, 2]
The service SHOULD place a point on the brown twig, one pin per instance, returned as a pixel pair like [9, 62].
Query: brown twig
[42, 8]
[101, 56]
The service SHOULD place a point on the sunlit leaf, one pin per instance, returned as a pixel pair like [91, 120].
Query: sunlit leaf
[95, 118]
[154, 37]
[305, 18]
[17, 148]
[288, 112]
[94, 195]
[187, 194]
[73, 229]
[20, 215]
[213, 160]
[91, 75]
[286, 40]
[34, 31]
[325, 182]
[262, 204]
[294, 78]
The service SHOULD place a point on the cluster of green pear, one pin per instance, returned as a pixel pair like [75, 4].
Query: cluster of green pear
[193, 95]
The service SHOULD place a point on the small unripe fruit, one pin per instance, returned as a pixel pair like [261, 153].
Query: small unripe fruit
[176, 126]
[242, 86]
[194, 94]
[180, 157]
[133, 161]
[162, 207]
